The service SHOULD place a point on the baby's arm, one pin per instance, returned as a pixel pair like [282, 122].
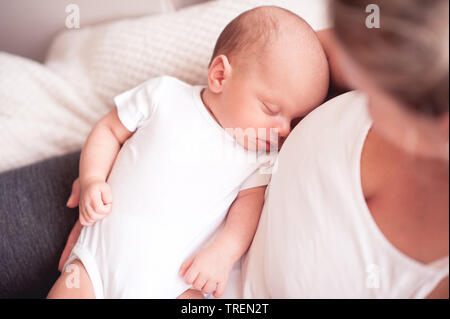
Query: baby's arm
[211, 267]
[242, 221]
[97, 158]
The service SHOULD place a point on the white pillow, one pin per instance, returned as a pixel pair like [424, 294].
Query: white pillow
[41, 115]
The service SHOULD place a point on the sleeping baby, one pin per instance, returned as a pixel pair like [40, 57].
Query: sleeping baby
[173, 178]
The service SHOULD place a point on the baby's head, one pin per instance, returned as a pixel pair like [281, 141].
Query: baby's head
[268, 68]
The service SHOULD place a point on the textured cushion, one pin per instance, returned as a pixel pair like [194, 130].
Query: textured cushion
[40, 113]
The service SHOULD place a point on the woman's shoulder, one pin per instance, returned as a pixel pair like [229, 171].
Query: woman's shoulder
[376, 165]
[339, 111]
[333, 130]
[344, 118]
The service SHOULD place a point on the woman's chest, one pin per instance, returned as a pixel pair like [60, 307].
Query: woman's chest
[412, 215]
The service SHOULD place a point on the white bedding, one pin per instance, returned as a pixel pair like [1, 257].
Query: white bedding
[47, 110]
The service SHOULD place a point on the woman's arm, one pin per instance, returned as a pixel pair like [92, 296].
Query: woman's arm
[441, 290]
[72, 202]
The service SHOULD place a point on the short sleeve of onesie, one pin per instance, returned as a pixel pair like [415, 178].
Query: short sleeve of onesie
[261, 176]
[137, 105]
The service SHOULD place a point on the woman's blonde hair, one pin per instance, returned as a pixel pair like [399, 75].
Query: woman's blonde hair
[408, 55]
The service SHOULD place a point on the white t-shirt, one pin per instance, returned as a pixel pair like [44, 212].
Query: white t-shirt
[316, 237]
[173, 182]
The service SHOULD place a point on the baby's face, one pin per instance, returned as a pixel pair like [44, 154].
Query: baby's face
[265, 97]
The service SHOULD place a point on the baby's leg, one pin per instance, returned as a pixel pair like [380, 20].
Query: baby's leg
[191, 294]
[73, 284]
[76, 284]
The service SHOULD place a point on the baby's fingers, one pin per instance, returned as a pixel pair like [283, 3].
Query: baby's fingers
[98, 206]
[93, 213]
[220, 289]
[185, 266]
[84, 216]
[209, 286]
[102, 209]
[106, 194]
[191, 275]
[200, 282]
[87, 214]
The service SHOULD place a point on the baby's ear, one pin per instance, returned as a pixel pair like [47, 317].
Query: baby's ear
[219, 71]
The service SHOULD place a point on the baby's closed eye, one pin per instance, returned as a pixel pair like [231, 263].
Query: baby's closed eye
[270, 108]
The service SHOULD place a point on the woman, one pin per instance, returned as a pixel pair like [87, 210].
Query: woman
[359, 203]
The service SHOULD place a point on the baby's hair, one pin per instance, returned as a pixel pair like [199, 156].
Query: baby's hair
[251, 31]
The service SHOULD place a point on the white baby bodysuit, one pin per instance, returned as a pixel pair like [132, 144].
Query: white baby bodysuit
[173, 182]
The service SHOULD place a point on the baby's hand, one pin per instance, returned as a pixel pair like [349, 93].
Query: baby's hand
[95, 202]
[210, 267]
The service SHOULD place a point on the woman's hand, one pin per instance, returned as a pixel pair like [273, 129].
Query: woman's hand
[103, 192]
[75, 233]
[211, 267]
